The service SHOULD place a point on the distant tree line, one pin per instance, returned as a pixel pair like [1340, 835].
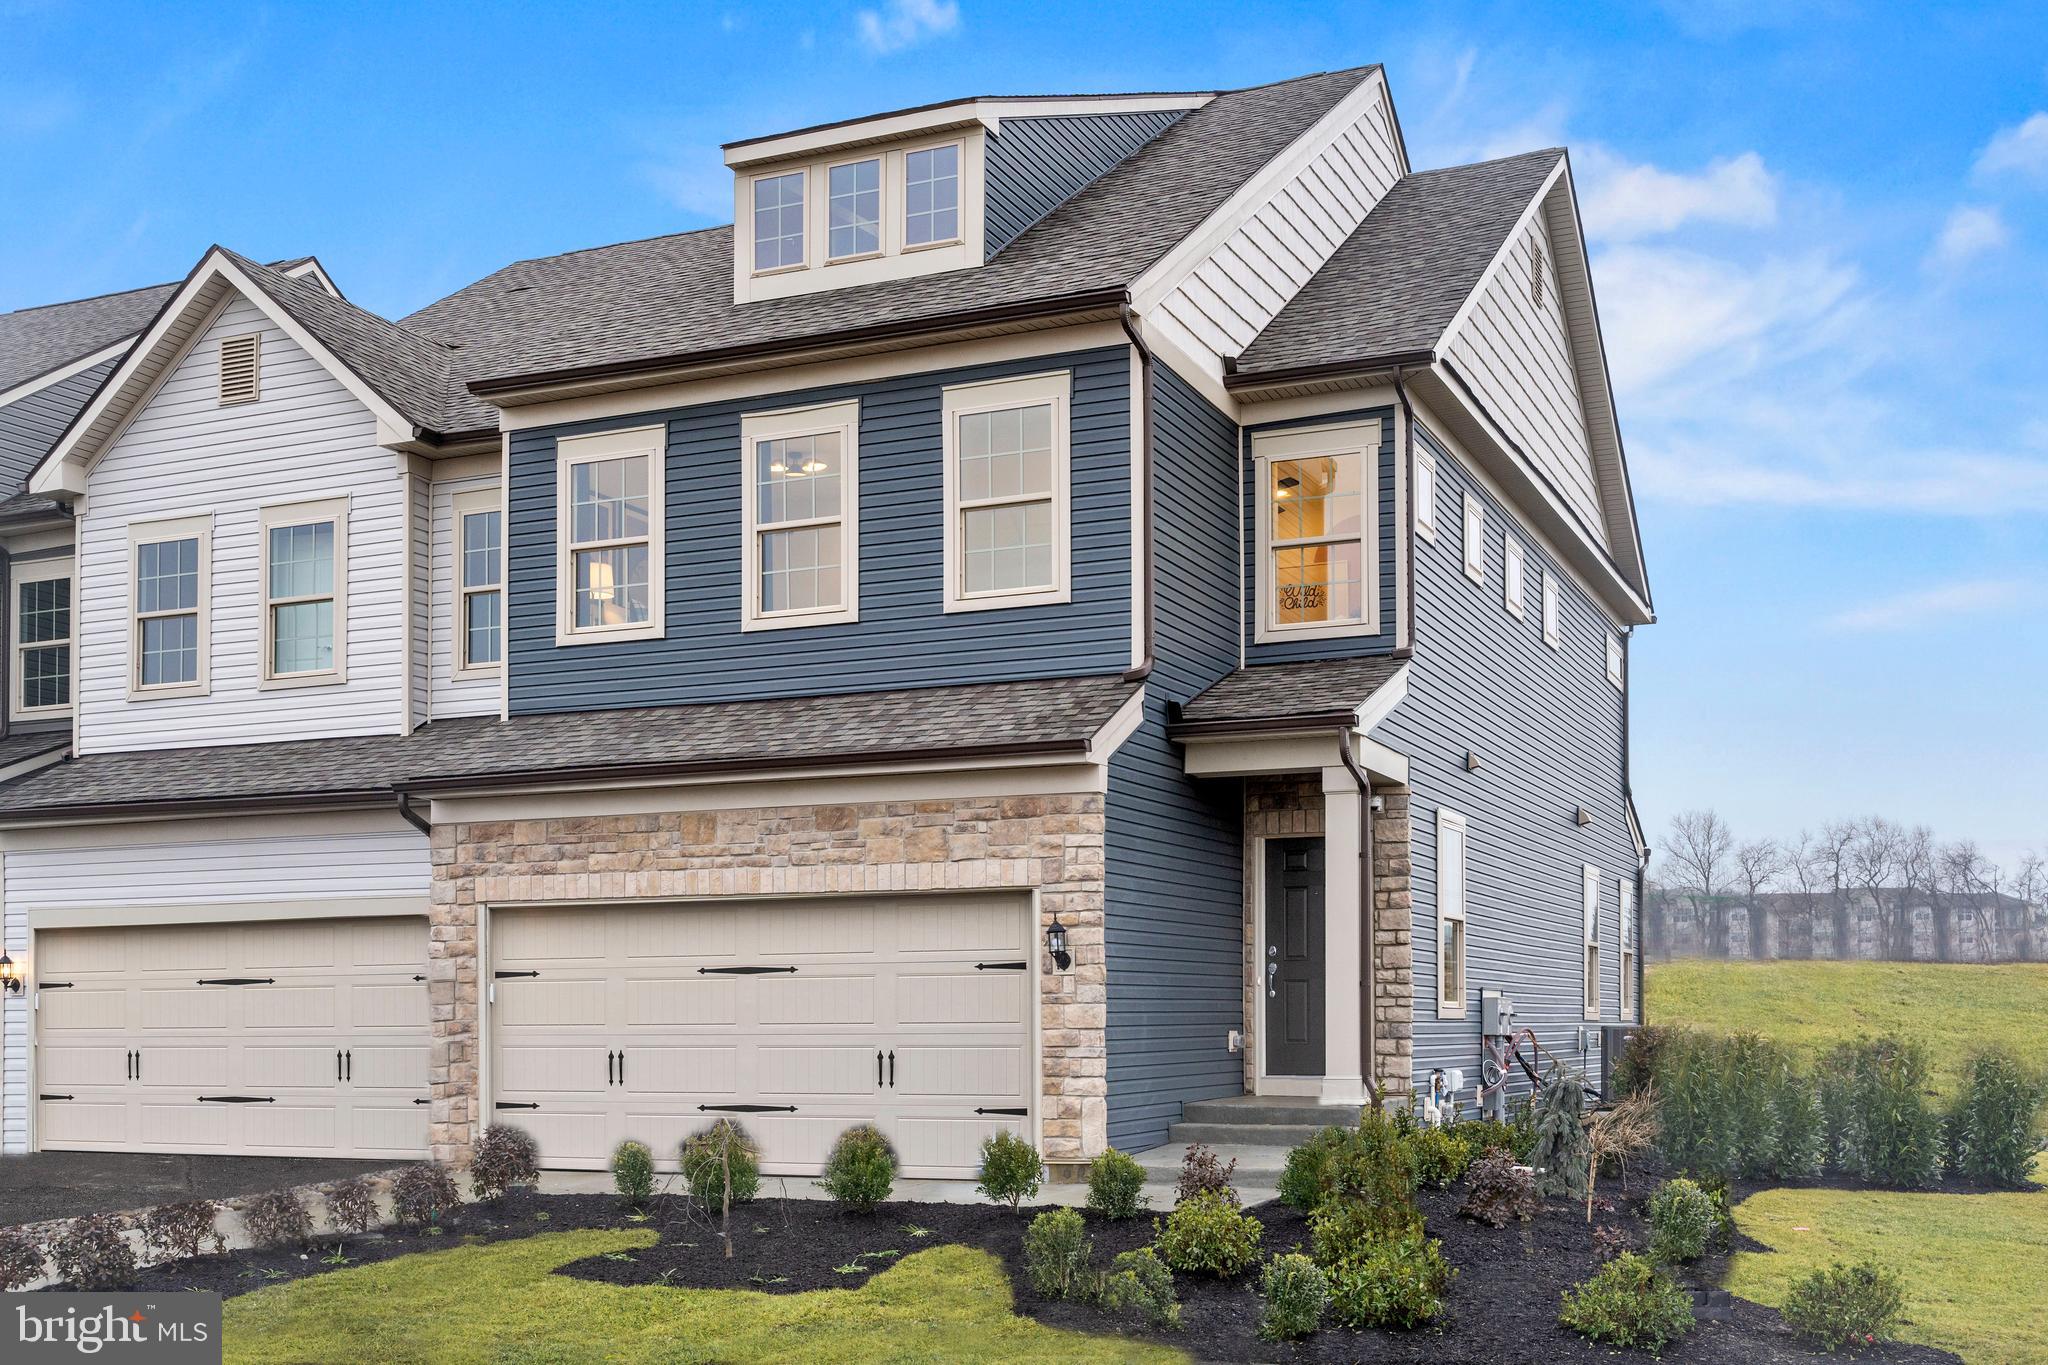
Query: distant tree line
[1865, 888]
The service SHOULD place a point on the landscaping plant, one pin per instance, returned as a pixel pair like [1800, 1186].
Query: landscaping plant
[1517, 1136]
[92, 1254]
[1208, 1233]
[1498, 1191]
[1835, 1096]
[351, 1205]
[1639, 1066]
[21, 1260]
[1796, 1107]
[1749, 1066]
[1991, 1126]
[1846, 1307]
[1629, 1302]
[1898, 1132]
[177, 1232]
[1305, 1179]
[1297, 1294]
[1056, 1253]
[1010, 1170]
[278, 1218]
[1683, 1219]
[723, 1167]
[505, 1156]
[423, 1194]
[1615, 1134]
[1438, 1157]
[1202, 1172]
[1398, 1283]
[1563, 1153]
[633, 1172]
[1139, 1280]
[1610, 1241]
[861, 1171]
[1346, 1227]
[1116, 1185]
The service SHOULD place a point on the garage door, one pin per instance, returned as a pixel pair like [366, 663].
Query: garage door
[299, 1038]
[796, 1018]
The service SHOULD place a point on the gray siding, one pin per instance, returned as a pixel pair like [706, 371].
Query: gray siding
[1174, 919]
[903, 638]
[1548, 729]
[1037, 164]
[29, 426]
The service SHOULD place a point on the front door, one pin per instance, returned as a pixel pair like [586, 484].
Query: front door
[1293, 969]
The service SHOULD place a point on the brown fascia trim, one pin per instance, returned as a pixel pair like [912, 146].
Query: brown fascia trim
[115, 810]
[1331, 369]
[1251, 725]
[1033, 310]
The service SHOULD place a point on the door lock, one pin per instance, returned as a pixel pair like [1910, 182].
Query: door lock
[1272, 980]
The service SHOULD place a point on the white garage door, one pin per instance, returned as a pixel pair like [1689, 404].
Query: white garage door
[798, 1019]
[296, 1038]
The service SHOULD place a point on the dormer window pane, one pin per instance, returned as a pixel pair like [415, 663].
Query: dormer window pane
[931, 195]
[855, 193]
[779, 221]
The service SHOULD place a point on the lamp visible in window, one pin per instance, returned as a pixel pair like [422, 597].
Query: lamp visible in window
[1056, 944]
[601, 581]
[10, 975]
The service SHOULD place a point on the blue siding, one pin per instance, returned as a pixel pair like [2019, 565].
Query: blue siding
[1287, 651]
[1174, 846]
[904, 638]
[1548, 729]
[29, 426]
[1036, 164]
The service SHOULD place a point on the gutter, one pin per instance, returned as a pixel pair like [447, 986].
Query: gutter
[1146, 466]
[413, 817]
[1330, 369]
[1367, 921]
[1295, 722]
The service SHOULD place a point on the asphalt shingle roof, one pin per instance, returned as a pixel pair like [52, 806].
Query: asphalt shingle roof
[986, 718]
[1400, 277]
[24, 744]
[1307, 689]
[35, 341]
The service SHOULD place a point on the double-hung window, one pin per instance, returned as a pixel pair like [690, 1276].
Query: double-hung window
[609, 494]
[853, 202]
[42, 639]
[779, 221]
[1553, 630]
[1007, 499]
[1628, 949]
[1475, 539]
[305, 591]
[1425, 495]
[931, 195]
[479, 582]
[1515, 578]
[1318, 563]
[170, 609]
[800, 498]
[1614, 659]
[1591, 891]
[1450, 914]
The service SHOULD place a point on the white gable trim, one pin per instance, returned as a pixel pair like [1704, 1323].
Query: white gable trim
[1501, 256]
[177, 328]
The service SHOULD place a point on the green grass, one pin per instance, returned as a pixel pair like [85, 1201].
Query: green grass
[1953, 1009]
[1973, 1264]
[498, 1304]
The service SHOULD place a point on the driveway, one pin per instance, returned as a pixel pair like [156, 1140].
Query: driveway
[46, 1185]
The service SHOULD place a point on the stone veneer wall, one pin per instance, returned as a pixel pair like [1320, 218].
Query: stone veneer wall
[1292, 807]
[1050, 844]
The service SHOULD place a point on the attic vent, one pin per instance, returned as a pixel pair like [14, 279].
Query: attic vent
[238, 369]
[1536, 268]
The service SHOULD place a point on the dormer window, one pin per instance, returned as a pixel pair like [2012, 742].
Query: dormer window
[779, 222]
[854, 207]
[931, 195]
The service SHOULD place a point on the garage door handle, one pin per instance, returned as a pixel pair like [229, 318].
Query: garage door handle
[1000, 966]
[348, 1066]
[238, 981]
[608, 1059]
[1020, 1113]
[337, 1064]
[743, 971]
[238, 1099]
[878, 1069]
[138, 1064]
[746, 1109]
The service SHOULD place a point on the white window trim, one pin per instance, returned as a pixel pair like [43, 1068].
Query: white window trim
[304, 514]
[39, 571]
[1359, 439]
[1475, 539]
[571, 451]
[1515, 578]
[1589, 956]
[959, 189]
[1614, 661]
[804, 176]
[882, 203]
[1553, 612]
[1447, 820]
[961, 399]
[1425, 506]
[463, 505]
[1627, 892]
[140, 533]
[755, 427]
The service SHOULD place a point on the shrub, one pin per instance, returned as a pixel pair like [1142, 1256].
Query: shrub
[1749, 1069]
[1562, 1155]
[1845, 1306]
[1683, 1219]
[1344, 1230]
[1517, 1138]
[1056, 1252]
[1835, 1096]
[861, 1171]
[351, 1205]
[1010, 1170]
[721, 1163]
[1140, 1280]
[1116, 1185]
[91, 1253]
[633, 1172]
[21, 1260]
[424, 1194]
[1438, 1157]
[1640, 1066]
[278, 1218]
[1610, 1241]
[1207, 1232]
[1306, 1180]
[1801, 1125]
[505, 1156]
[1898, 1132]
[1628, 1302]
[1399, 1283]
[1202, 1172]
[1372, 1164]
[176, 1232]
[1693, 1105]
[1297, 1294]
[1498, 1191]
[1991, 1127]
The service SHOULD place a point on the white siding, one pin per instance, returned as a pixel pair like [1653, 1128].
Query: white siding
[471, 696]
[14, 1039]
[1516, 354]
[184, 454]
[1230, 296]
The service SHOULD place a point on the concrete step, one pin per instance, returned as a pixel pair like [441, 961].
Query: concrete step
[1282, 1135]
[1270, 1109]
[1258, 1167]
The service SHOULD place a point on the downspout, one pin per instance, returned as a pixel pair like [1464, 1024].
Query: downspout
[1143, 668]
[1368, 936]
[413, 817]
[1407, 458]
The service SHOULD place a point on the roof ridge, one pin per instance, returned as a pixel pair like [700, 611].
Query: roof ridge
[1365, 69]
[1489, 161]
[89, 298]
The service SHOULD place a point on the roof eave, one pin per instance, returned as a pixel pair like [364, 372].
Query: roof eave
[1254, 381]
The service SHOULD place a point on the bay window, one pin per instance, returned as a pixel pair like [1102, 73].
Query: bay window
[1317, 521]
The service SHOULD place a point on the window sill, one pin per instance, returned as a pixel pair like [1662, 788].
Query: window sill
[911, 249]
[167, 691]
[1553, 642]
[1268, 635]
[1476, 575]
[1427, 532]
[838, 616]
[607, 635]
[288, 682]
[476, 673]
[1444, 1011]
[38, 713]
[831, 261]
[782, 270]
[1048, 597]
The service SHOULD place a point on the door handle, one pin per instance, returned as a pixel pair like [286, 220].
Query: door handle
[348, 1065]
[608, 1059]
[337, 1066]
[878, 1068]
[892, 1068]
[622, 1066]
[1273, 980]
[138, 1064]
[130, 1060]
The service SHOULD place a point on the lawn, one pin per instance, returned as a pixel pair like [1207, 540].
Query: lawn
[498, 1303]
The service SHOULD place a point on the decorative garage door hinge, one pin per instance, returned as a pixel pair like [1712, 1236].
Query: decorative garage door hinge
[501, 1104]
[500, 976]
[746, 1109]
[1000, 966]
[238, 1099]
[742, 971]
[56, 1097]
[1020, 1113]
[237, 980]
[55, 985]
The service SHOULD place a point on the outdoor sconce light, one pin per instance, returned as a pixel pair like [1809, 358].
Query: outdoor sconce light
[10, 974]
[1056, 944]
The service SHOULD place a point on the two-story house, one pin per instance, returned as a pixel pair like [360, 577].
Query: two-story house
[1068, 607]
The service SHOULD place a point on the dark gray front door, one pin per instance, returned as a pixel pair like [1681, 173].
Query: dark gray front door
[1293, 969]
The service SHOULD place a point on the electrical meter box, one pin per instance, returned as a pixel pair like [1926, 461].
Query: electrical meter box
[1496, 1013]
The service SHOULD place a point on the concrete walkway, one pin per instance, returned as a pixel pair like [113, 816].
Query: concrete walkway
[45, 1185]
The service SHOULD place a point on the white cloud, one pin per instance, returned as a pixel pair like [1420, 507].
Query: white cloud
[906, 23]
[2021, 149]
[1971, 230]
[1911, 610]
[1624, 201]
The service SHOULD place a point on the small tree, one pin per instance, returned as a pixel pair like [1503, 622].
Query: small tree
[1563, 1153]
[1618, 1133]
[725, 1161]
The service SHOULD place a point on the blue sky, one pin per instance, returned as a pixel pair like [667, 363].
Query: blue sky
[1821, 246]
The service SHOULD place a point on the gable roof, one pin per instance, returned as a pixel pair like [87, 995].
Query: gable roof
[38, 341]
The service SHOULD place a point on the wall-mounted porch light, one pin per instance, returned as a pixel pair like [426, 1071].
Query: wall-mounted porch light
[1056, 944]
[10, 974]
